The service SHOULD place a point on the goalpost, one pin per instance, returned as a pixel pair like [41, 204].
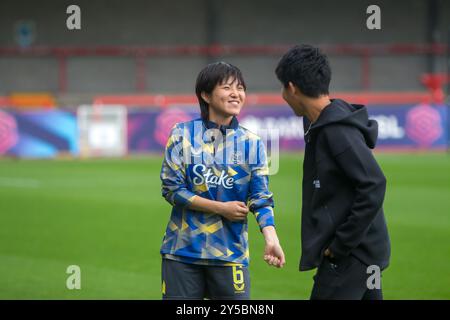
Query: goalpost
[102, 130]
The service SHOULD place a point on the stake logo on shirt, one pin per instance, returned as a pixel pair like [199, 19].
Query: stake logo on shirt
[210, 178]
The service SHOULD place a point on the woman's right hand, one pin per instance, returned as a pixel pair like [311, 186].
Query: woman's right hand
[233, 210]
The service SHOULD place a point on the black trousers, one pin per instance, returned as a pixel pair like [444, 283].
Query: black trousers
[343, 279]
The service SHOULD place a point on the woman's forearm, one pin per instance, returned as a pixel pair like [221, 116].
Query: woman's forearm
[230, 210]
[206, 205]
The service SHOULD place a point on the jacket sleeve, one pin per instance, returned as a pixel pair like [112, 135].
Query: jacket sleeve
[357, 162]
[260, 199]
[173, 172]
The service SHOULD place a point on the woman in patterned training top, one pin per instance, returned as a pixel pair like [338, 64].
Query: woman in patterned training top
[214, 172]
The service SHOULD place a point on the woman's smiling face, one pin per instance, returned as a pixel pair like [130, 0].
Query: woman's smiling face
[226, 99]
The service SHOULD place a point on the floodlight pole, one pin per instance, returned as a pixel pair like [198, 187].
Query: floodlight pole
[213, 21]
[432, 33]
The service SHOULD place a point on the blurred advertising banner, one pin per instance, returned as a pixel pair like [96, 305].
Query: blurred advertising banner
[52, 133]
[149, 129]
[411, 127]
[406, 127]
[38, 134]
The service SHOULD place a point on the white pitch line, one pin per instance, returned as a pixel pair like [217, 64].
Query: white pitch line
[19, 182]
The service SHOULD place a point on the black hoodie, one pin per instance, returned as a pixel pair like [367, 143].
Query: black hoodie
[343, 189]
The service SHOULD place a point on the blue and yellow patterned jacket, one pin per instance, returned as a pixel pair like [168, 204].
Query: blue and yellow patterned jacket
[222, 163]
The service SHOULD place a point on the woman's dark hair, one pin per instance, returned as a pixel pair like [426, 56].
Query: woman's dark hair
[212, 75]
[307, 68]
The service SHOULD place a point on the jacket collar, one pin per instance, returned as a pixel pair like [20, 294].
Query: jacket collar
[223, 128]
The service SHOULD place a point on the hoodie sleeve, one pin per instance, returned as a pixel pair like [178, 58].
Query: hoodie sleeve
[357, 162]
[260, 200]
[173, 173]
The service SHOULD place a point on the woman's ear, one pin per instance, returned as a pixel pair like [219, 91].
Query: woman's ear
[205, 96]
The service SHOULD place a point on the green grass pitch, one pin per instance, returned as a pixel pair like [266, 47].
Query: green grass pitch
[108, 217]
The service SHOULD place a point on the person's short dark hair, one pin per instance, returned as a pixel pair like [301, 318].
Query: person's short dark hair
[212, 75]
[306, 67]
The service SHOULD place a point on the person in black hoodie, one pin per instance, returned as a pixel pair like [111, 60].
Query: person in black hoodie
[344, 232]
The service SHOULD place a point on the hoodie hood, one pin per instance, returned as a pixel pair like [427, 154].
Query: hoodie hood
[339, 111]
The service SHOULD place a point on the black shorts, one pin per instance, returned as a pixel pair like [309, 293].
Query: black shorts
[191, 281]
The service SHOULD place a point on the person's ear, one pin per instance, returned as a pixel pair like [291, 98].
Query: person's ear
[292, 88]
[205, 97]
